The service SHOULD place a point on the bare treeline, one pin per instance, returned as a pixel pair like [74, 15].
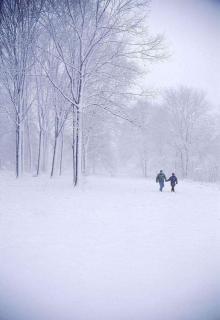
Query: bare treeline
[65, 65]
[180, 134]
[70, 75]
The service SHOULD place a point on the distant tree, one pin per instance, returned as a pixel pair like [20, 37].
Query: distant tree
[186, 108]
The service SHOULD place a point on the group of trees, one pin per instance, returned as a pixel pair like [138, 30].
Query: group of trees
[64, 66]
[180, 134]
[70, 95]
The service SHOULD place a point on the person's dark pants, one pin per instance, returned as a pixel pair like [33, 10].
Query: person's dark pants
[161, 185]
[172, 187]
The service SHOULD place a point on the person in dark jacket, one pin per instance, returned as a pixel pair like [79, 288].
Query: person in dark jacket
[173, 181]
[161, 178]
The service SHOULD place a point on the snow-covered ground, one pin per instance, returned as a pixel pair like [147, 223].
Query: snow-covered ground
[115, 249]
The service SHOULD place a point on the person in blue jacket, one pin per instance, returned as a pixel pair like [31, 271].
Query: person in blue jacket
[161, 178]
[173, 181]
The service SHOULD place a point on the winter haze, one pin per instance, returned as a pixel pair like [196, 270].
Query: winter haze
[109, 160]
[192, 29]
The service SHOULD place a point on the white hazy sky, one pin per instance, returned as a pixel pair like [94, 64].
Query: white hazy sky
[192, 31]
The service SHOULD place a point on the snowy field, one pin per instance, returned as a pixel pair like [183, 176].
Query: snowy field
[116, 249]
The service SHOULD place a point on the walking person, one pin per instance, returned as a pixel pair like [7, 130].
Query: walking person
[173, 181]
[161, 178]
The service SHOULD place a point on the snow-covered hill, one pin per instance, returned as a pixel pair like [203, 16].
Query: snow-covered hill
[115, 249]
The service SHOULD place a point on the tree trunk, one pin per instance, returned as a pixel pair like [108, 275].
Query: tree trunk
[39, 152]
[54, 156]
[78, 148]
[83, 165]
[17, 147]
[73, 144]
[61, 154]
[22, 150]
[29, 147]
[187, 163]
[45, 151]
[182, 164]
[55, 146]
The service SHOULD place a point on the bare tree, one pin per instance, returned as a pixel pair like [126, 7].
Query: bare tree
[186, 107]
[101, 39]
[61, 113]
[18, 28]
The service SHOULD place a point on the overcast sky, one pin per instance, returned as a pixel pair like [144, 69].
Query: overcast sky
[192, 30]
